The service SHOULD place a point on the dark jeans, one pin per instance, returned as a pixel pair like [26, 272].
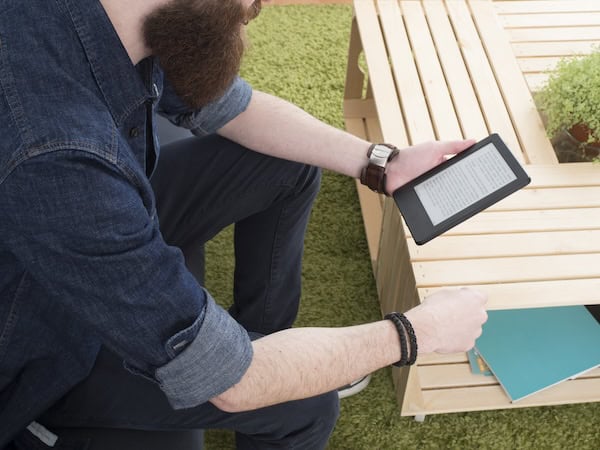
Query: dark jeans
[203, 185]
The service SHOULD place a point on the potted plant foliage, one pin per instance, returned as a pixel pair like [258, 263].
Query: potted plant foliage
[570, 102]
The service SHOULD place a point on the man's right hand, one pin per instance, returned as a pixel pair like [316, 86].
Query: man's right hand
[449, 321]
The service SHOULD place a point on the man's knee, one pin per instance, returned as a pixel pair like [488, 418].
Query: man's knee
[301, 424]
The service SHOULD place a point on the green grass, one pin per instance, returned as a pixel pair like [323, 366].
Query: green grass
[299, 53]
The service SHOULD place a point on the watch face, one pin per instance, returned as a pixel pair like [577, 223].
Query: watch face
[379, 155]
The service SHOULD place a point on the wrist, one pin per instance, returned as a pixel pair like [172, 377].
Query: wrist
[422, 331]
[373, 175]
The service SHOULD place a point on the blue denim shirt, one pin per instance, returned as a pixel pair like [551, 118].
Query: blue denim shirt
[82, 259]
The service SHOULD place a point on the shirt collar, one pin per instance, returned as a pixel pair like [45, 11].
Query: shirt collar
[118, 79]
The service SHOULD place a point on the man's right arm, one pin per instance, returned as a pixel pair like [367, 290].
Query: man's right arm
[303, 362]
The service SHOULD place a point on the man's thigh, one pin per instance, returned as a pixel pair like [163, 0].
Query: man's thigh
[204, 184]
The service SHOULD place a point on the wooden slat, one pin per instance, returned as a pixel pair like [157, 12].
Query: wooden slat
[542, 20]
[412, 98]
[452, 376]
[564, 175]
[437, 96]
[536, 81]
[523, 112]
[538, 64]
[504, 245]
[545, 6]
[554, 34]
[369, 203]
[553, 48]
[380, 76]
[359, 108]
[439, 358]
[535, 294]
[493, 397]
[506, 270]
[465, 101]
[526, 221]
[490, 97]
[528, 199]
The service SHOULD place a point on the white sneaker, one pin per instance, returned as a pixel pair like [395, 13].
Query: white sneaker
[355, 387]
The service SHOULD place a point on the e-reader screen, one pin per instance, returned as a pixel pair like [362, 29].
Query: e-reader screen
[459, 188]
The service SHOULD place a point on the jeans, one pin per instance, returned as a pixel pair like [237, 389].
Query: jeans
[203, 185]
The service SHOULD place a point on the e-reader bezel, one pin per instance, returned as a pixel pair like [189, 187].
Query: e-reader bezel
[416, 217]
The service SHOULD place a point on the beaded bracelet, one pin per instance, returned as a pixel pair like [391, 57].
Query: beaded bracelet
[404, 328]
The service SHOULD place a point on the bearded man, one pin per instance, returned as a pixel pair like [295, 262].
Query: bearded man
[103, 318]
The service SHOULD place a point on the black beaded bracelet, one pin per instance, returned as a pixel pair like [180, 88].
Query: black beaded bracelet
[404, 328]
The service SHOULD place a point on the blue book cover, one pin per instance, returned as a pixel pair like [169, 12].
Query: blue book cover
[532, 349]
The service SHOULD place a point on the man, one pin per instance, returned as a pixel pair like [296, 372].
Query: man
[100, 237]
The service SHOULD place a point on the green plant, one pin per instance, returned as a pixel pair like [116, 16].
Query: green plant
[572, 96]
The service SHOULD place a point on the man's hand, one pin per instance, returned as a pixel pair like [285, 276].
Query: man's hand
[449, 321]
[418, 159]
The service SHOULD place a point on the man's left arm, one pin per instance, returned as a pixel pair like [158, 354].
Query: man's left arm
[278, 128]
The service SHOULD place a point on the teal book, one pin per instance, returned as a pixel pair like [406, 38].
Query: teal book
[529, 350]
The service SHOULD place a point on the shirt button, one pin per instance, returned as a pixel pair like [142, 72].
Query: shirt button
[134, 132]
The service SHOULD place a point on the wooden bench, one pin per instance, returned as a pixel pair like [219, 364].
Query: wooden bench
[446, 70]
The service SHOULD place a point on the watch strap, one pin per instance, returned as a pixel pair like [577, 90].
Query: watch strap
[373, 175]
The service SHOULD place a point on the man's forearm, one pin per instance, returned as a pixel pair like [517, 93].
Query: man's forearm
[303, 362]
[276, 127]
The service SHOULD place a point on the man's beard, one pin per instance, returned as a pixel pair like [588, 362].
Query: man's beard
[199, 45]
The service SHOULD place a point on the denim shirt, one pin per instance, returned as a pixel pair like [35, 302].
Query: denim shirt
[82, 259]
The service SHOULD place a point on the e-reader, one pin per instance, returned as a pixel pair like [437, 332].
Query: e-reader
[459, 188]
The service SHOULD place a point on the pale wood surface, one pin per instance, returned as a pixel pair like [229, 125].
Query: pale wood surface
[444, 70]
[543, 32]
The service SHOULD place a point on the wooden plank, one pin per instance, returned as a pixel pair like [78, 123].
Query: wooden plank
[491, 222]
[380, 77]
[553, 48]
[355, 78]
[438, 98]
[538, 64]
[465, 101]
[493, 397]
[442, 358]
[519, 102]
[535, 294]
[370, 207]
[412, 98]
[542, 20]
[505, 245]
[554, 34]
[572, 197]
[536, 81]
[542, 6]
[359, 108]
[506, 270]
[452, 376]
[564, 175]
[488, 92]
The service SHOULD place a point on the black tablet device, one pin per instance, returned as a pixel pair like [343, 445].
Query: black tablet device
[459, 188]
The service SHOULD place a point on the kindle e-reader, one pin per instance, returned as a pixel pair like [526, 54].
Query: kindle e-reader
[459, 188]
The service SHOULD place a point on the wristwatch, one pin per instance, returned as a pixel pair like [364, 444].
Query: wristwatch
[373, 175]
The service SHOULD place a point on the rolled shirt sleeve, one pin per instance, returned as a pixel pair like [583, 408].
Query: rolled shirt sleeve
[214, 361]
[211, 117]
[87, 230]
